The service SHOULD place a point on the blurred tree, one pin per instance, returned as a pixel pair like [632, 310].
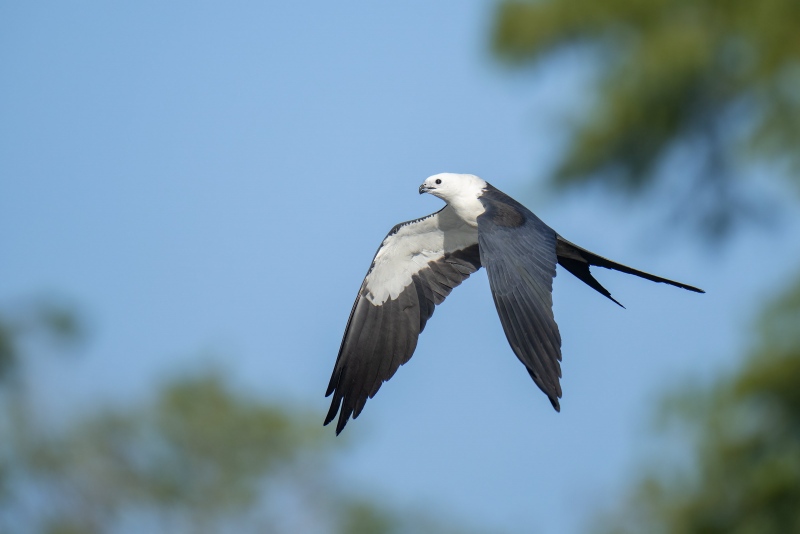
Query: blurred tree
[49, 320]
[718, 80]
[695, 97]
[199, 458]
[743, 475]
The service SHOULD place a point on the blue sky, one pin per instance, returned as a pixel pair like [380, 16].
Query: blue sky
[208, 182]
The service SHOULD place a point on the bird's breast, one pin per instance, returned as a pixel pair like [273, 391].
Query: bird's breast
[467, 210]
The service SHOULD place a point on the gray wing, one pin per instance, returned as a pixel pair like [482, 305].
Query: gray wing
[519, 253]
[412, 272]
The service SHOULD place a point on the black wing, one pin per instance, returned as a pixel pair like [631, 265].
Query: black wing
[519, 253]
[382, 336]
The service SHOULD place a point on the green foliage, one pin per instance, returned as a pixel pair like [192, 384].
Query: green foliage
[7, 352]
[200, 452]
[718, 78]
[201, 456]
[744, 476]
[44, 320]
[720, 81]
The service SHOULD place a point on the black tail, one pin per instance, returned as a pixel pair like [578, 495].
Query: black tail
[577, 261]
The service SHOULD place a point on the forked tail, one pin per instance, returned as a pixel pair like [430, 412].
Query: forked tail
[577, 261]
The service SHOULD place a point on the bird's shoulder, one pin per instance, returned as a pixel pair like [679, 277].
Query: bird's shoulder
[503, 211]
[411, 247]
[408, 237]
[442, 231]
[421, 225]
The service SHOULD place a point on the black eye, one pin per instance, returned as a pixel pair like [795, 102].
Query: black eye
[438, 181]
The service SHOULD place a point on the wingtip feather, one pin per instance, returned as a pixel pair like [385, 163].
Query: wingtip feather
[332, 411]
[341, 423]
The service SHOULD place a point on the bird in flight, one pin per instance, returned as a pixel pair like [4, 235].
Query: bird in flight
[421, 261]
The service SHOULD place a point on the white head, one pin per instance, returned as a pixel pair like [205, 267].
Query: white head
[452, 187]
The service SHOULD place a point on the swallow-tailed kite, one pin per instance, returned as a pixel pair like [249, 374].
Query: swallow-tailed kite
[421, 261]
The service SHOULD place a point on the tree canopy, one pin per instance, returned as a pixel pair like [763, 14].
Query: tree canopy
[199, 456]
[717, 80]
[743, 471]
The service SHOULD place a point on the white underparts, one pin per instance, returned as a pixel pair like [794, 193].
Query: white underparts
[410, 250]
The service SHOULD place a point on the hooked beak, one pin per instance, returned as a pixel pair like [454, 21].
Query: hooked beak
[424, 189]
